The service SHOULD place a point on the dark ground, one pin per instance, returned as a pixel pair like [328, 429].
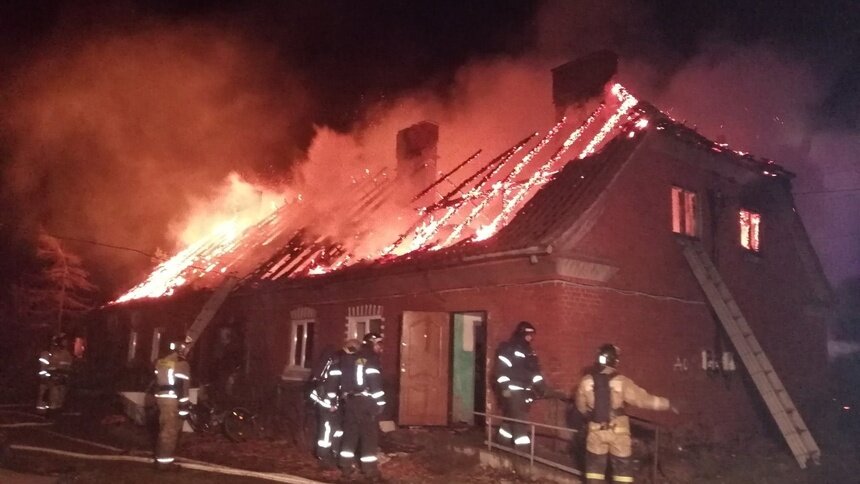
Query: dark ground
[415, 456]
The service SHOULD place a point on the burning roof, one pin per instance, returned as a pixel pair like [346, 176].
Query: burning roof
[280, 245]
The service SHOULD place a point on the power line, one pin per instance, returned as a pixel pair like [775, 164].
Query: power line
[109, 246]
[132, 249]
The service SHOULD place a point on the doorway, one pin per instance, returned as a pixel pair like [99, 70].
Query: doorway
[468, 366]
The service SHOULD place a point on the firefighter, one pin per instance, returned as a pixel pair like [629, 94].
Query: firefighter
[357, 380]
[55, 364]
[601, 397]
[172, 382]
[518, 383]
[329, 416]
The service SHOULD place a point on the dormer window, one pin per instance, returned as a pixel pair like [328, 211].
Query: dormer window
[684, 212]
[750, 225]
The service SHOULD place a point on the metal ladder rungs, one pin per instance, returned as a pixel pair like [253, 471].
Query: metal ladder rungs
[768, 383]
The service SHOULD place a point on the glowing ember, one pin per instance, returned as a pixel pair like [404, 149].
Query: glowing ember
[217, 229]
[238, 232]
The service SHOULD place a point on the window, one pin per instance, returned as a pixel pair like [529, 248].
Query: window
[80, 347]
[302, 322]
[750, 225]
[132, 345]
[684, 212]
[156, 344]
[364, 319]
[302, 343]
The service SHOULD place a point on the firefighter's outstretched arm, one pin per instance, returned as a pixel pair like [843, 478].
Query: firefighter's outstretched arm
[638, 397]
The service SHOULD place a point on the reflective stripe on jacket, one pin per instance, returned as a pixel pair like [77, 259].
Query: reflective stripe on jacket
[517, 368]
[172, 377]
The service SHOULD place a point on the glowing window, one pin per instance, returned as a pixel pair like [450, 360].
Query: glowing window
[684, 212]
[750, 224]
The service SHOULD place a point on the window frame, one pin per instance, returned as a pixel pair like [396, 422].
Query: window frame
[304, 317]
[682, 214]
[753, 244]
[305, 356]
[132, 345]
[156, 343]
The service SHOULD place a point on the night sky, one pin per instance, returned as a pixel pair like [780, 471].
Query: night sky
[114, 115]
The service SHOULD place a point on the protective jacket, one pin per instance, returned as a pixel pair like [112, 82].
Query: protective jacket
[55, 364]
[172, 375]
[330, 422]
[354, 375]
[172, 381]
[319, 381]
[517, 370]
[357, 381]
[54, 368]
[622, 391]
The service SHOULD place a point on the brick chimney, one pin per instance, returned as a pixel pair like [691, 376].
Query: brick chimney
[416, 156]
[582, 79]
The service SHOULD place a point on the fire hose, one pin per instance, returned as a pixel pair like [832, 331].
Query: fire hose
[182, 462]
[193, 465]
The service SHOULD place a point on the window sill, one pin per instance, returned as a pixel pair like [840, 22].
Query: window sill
[751, 256]
[296, 373]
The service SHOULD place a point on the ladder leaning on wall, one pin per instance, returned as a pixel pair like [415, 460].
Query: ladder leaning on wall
[210, 308]
[769, 385]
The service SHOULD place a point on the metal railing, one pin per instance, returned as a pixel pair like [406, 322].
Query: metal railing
[532, 434]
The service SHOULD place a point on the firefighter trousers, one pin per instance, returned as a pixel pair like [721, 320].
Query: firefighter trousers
[608, 446]
[517, 433]
[360, 434]
[329, 435]
[169, 426]
[52, 395]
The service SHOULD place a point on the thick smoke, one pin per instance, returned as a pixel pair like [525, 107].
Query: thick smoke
[113, 135]
[764, 100]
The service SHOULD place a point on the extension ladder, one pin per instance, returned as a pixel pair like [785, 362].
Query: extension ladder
[210, 307]
[769, 385]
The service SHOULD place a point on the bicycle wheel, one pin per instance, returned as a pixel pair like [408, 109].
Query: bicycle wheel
[200, 418]
[241, 425]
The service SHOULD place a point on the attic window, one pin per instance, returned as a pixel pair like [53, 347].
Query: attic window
[750, 225]
[684, 212]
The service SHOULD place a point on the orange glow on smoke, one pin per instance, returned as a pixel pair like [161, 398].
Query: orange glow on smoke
[211, 236]
[250, 231]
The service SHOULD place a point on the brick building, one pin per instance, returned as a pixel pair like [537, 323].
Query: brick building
[594, 256]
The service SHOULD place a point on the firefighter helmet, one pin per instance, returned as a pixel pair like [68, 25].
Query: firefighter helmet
[372, 338]
[351, 346]
[177, 346]
[525, 328]
[608, 355]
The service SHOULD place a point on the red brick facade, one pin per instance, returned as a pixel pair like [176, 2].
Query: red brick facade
[621, 278]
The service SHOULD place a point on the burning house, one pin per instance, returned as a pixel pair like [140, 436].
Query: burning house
[596, 230]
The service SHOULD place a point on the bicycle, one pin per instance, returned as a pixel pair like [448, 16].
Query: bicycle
[238, 423]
